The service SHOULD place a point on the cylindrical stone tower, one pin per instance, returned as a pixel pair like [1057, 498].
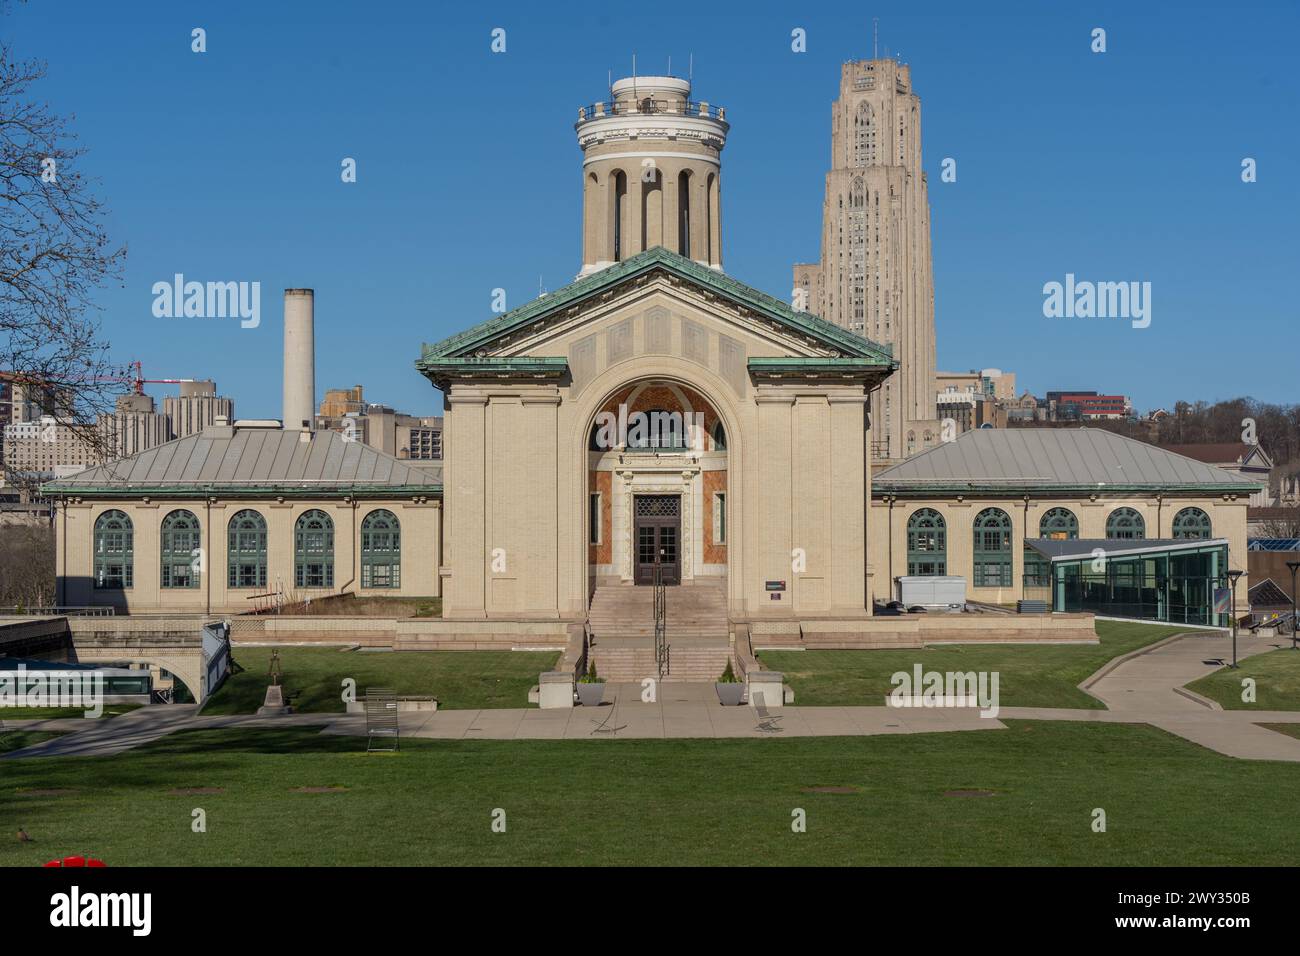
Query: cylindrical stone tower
[651, 173]
[299, 358]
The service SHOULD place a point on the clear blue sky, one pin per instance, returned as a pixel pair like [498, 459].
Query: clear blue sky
[1118, 166]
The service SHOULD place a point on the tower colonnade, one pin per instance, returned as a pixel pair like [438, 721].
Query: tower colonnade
[652, 173]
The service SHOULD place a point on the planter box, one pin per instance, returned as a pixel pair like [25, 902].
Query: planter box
[731, 695]
[590, 695]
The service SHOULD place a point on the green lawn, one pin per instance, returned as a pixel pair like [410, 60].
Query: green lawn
[1030, 675]
[1277, 682]
[1291, 730]
[18, 739]
[661, 802]
[313, 677]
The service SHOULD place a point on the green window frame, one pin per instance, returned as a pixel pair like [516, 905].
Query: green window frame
[114, 551]
[381, 550]
[246, 550]
[1126, 523]
[313, 550]
[180, 547]
[1192, 523]
[927, 543]
[992, 549]
[1059, 524]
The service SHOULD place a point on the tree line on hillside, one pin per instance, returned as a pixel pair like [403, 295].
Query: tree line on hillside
[1276, 428]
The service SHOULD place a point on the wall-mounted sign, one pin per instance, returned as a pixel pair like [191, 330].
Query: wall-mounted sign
[776, 585]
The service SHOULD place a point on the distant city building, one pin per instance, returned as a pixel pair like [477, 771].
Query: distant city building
[874, 275]
[135, 425]
[46, 447]
[195, 408]
[1072, 405]
[408, 437]
[975, 399]
[1023, 409]
[27, 402]
[39, 441]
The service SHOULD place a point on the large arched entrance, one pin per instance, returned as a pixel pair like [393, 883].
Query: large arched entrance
[657, 487]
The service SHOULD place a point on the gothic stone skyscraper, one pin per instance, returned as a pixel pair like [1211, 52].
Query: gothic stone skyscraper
[874, 276]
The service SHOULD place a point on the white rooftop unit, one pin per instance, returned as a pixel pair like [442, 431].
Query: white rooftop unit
[937, 591]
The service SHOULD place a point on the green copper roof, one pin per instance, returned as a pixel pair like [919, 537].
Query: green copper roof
[235, 460]
[831, 336]
[440, 370]
[819, 362]
[1084, 460]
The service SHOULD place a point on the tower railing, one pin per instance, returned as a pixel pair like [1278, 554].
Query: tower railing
[647, 105]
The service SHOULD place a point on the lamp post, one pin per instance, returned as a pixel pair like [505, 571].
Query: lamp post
[1293, 565]
[1232, 578]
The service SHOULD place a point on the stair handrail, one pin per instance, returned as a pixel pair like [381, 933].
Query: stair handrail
[660, 620]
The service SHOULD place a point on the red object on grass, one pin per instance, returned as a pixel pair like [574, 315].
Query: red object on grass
[75, 861]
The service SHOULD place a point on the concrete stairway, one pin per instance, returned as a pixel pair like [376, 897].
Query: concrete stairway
[621, 620]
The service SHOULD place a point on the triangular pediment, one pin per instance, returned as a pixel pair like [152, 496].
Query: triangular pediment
[514, 343]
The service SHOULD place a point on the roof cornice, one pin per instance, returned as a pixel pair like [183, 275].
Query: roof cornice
[444, 370]
[921, 488]
[242, 489]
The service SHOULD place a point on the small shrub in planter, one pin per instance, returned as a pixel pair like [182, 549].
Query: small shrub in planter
[591, 687]
[731, 691]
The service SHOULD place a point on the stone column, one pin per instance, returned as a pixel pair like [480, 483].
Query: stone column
[465, 492]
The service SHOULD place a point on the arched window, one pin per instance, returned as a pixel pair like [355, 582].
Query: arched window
[313, 551]
[114, 551]
[719, 437]
[180, 544]
[864, 136]
[381, 551]
[1192, 523]
[246, 550]
[684, 213]
[1060, 524]
[927, 543]
[1125, 523]
[710, 215]
[619, 185]
[992, 565]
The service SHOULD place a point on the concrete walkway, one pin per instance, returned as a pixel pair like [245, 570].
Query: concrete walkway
[1143, 687]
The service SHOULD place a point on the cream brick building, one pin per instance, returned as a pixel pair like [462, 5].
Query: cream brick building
[874, 274]
[238, 517]
[653, 418]
[967, 507]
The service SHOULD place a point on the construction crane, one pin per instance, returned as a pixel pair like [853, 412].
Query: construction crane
[138, 381]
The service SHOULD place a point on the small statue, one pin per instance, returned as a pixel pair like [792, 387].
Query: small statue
[276, 673]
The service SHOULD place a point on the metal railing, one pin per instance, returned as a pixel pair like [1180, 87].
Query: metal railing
[645, 105]
[661, 619]
[56, 611]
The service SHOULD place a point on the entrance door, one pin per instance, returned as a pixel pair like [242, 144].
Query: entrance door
[658, 534]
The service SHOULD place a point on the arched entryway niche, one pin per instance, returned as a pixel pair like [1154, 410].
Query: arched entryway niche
[657, 486]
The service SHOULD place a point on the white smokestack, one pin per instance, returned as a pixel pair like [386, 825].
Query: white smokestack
[299, 358]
